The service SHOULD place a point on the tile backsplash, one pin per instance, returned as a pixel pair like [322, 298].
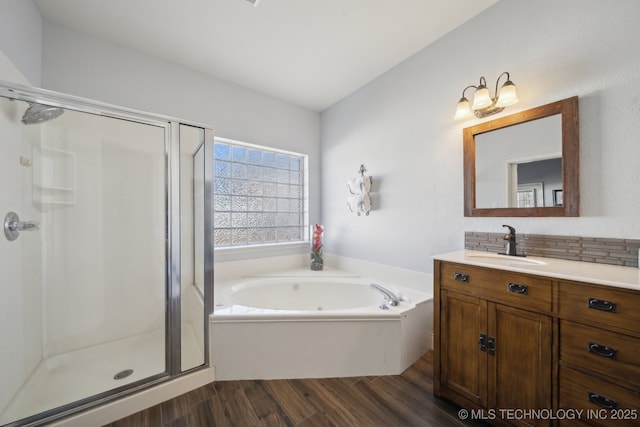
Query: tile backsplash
[589, 249]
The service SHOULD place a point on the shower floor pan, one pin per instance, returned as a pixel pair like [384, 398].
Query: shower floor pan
[69, 377]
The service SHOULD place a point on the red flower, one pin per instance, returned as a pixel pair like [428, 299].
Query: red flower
[316, 241]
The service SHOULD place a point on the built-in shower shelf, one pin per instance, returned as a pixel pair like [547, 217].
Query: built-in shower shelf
[54, 190]
[54, 196]
[54, 177]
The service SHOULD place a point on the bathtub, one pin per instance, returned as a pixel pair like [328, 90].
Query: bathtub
[315, 326]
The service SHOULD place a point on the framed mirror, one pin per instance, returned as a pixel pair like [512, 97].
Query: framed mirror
[524, 164]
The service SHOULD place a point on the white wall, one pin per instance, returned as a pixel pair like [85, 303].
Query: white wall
[104, 251]
[85, 66]
[20, 265]
[401, 127]
[20, 269]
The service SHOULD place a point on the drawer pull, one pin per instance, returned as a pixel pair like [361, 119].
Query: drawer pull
[461, 277]
[602, 401]
[602, 305]
[482, 342]
[518, 288]
[602, 350]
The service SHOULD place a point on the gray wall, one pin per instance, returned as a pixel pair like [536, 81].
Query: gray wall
[93, 68]
[401, 127]
[21, 37]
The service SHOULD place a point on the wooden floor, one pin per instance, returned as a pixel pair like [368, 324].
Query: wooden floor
[385, 401]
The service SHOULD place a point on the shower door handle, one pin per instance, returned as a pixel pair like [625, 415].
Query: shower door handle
[13, 226]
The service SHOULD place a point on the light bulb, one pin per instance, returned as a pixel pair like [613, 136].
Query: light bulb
[463, 109]
[508, 95]
[481, 99]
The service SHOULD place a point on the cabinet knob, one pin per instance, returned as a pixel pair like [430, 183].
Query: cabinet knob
[482, 342]
[491, 345]
[598, 304]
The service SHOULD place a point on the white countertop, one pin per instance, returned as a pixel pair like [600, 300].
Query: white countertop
[602, 274]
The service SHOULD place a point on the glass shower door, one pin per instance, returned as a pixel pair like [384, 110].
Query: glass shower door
[83, 256]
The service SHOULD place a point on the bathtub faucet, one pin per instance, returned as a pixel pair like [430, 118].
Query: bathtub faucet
[389, 297]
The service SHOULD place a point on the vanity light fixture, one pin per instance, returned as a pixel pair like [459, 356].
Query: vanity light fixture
[483, 104]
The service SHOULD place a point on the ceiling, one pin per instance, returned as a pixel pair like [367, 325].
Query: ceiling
[310, 53]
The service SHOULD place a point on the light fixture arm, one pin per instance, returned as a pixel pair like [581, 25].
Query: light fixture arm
[468, 87]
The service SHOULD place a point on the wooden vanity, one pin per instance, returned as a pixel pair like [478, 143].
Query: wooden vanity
[537, 341]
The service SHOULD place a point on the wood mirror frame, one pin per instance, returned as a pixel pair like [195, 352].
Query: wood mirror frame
[568, 108]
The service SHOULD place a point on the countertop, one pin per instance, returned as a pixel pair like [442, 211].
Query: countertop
[602, 274]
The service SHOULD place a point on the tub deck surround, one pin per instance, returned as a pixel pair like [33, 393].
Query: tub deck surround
[601, 274]
[339, 331]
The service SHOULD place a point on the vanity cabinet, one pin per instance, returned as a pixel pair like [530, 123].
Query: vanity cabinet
[600, 352]
[508, 340]
[495, 338]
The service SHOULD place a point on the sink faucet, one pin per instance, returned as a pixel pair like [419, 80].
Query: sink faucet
[511, 241]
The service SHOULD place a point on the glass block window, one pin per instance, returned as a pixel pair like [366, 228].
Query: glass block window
[258, 195]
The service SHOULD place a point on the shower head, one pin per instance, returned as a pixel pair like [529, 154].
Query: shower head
[38, 113]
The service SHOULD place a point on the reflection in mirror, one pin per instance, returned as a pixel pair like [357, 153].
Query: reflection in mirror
[544, 176]
[519, 166]
[525, 164]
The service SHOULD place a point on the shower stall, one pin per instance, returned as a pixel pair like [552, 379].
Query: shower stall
[106, 259]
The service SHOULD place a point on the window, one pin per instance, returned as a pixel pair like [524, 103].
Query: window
[258, 195]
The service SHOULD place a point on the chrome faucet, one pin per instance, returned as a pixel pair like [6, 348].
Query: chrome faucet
[390, 299]
[13, 226]
[511, 241]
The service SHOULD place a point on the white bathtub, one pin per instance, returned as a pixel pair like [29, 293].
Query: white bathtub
[315, 326]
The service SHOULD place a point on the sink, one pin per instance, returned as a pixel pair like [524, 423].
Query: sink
[506, 259]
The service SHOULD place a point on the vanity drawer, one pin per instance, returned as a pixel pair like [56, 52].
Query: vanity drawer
[523, 291]
[599, 305]
[582, 391]
[613, 354]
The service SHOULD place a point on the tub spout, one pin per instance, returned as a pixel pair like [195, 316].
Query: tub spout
[389, 297]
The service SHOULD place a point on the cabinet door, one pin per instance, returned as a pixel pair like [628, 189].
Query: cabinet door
[463, 364]
[520, 363]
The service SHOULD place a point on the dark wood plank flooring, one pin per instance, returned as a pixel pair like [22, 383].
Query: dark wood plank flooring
[386, 401]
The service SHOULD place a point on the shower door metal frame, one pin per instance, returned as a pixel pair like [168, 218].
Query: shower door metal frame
[173, 331]
[172, 240]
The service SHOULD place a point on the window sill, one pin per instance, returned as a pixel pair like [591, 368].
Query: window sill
[235, 253]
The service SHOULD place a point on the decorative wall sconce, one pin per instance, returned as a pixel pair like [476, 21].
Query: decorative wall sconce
[483, 104]
[358, 200]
